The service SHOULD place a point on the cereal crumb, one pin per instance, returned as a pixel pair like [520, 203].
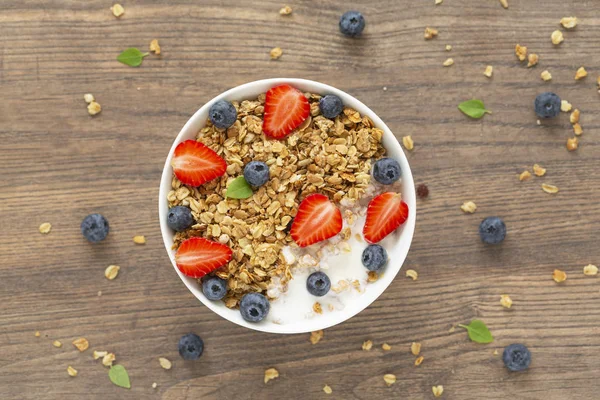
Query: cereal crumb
[94, 108]
[165, 363]
[108, 359]
[437, 390]
[569, 22]
[538, 122]
[422, 191]
[559, 276]
[56, 343]
[524, 175]
[71, 371]
[489, 70]
[111, 272]
[415, 348]
[285, 10]
[557, 37]
[504, 3]
[88, 97]
[140, 239]
[117, 10]
[539, 171]
[327, 389]
[448, 62]
[154, 385]
[154, 46]
[438, 2]
[590, 270]
[408, 143]
[317, 308]
[448, 47]
[82, 344]
[37, 334]
[372, 276]
[546, 75]
[580, 74]
[98, 354]
[572, 144]
[45, 228]
[574, 117]
[506, 301]
[430, 33]
[549, 188]
[389, 379]
[452, 329]
[386, 347]
[532, 60]
[385, 88]
[521, 52]
[367, 345]
[419, 361]
[565, 106]
[411, 273]
[469, 207]
[275, 53]
[577, 129]
[99, 293]
[495, 352]
[271, 373]
[316, 336]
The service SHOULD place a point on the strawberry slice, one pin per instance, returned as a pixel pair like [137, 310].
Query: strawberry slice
[195, 163]
[285, 109]
[317, 219]
[197, 256]
[385, 214]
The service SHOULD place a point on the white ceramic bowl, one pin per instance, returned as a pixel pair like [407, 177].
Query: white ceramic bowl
[397, 253]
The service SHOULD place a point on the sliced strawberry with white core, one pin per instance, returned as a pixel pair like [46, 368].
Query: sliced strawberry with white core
[197, 257]
[194, 163]
[385, 214]
[286, 108]
[317, 219]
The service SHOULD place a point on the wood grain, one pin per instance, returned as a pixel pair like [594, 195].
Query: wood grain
[58, 164]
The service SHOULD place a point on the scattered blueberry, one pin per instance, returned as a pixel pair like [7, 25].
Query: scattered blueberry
[386, 171]
[180, 218]
[492, 230]
[256, 173]
[374, 257]
[318, 284]
[352, 23]
[331, 106]
[191, 346]
[547, 105]
[214, 288]
[254, 307]
[516, 357]
[94, 227]
[222, 114]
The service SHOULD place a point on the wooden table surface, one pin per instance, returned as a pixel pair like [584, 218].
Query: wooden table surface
[59, 164]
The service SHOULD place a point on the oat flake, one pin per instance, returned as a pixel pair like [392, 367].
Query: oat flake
[82, 344]
[367, 345]
[506, 301]
[165, 363]
[559, 276]
[45, 228]
[549, 188]
[327, 389]
[316, 336]
[437, 390]
[469, 207]
[524, 175]
[590, 270]
[539, 171]
[270, 374]
[415, 348]
[389, 379]
[71, 371]
[411, 273]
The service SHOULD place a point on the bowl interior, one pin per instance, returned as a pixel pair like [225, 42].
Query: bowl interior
[397, 253]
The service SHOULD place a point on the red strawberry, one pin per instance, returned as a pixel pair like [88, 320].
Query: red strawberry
[197, 256]
[285, 109]
[317, 219]
[194, 163]
[385, 214]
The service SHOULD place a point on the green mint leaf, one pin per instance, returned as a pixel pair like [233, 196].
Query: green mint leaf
[478, 332]
[473, 108]
[132, 57]
[238, 189]
[118, 375]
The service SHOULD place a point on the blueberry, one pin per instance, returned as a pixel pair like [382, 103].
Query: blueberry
[254, 307]
[331, 106]
[516, 357]
[318, 284]
[352, 23]
[386, 171]
[256, 173]
[180, 218]
[94, 227]
[492, 230]
[374, 257]
[191, 346]
[547, 105]
[222, 114]
[214, 288]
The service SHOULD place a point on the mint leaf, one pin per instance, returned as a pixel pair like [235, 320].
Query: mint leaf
[478, 332]
[473, 108]
[238, 189]
[118, 375]
[132, 57]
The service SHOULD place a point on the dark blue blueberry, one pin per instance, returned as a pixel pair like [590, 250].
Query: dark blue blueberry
[386, 171]
[318, 284]
[191, 346]
[352, 23]
[331, 106]
[254, 307]
[94, 227]
[374, 257]
[222, 114]
[214, 288]
[256, 173]
[516, 357]
[180, 218]
[547, 105]
[492, 230]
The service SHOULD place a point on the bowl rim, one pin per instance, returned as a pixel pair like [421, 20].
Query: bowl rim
[408, 195]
